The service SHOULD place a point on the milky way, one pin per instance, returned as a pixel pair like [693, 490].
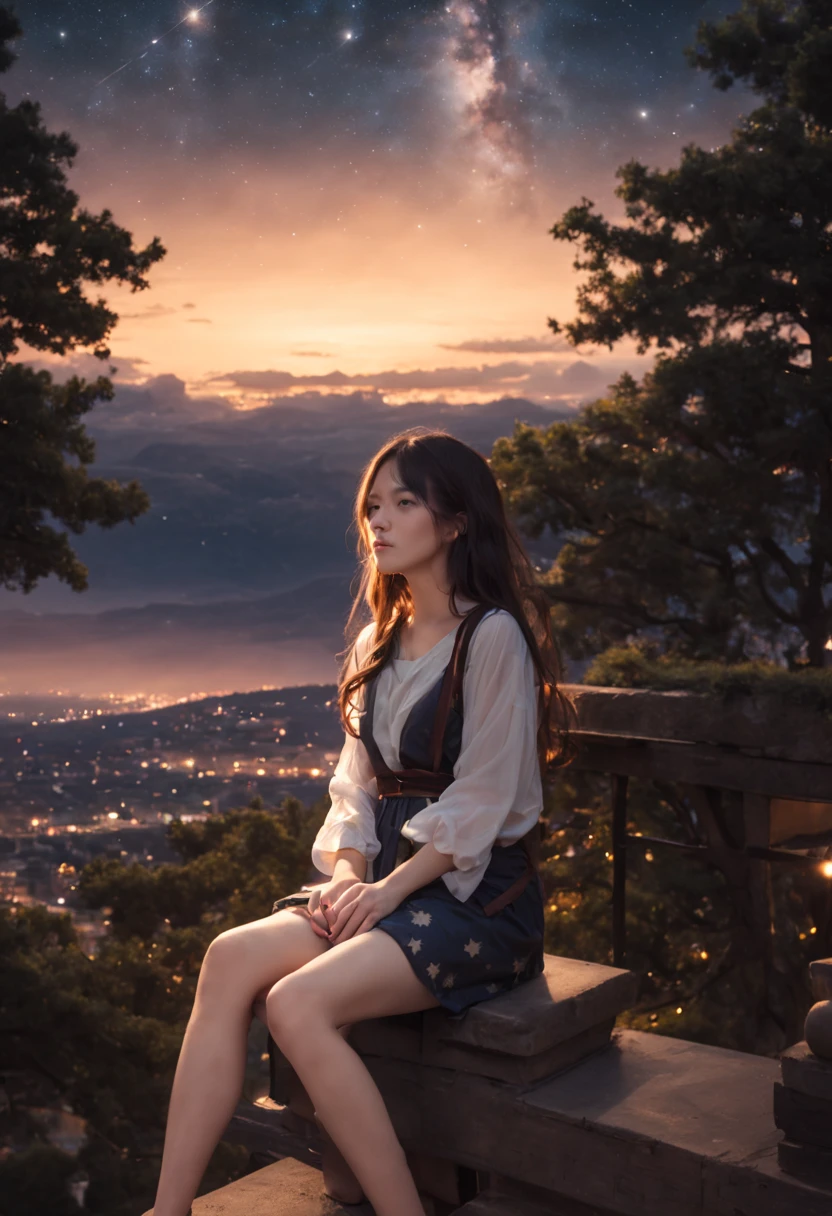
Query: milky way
[359, 194]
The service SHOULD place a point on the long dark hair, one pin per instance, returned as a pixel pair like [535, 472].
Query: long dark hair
[487, 563]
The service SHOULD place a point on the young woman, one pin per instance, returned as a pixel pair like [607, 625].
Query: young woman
[451, 712]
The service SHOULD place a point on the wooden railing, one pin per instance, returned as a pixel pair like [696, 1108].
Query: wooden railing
[776, 759]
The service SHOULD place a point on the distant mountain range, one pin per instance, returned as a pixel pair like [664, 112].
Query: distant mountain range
[239, 574]
[290, 638]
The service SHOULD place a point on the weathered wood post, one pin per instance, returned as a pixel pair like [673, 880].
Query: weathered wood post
[619, 868]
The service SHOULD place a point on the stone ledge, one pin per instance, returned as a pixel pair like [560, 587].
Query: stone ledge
[546, 1025]
[806, 1073]
[813, 1166]
[570, 996]
[803, 1119]
[287, 1188]
[649, 1127]
[491, 1204]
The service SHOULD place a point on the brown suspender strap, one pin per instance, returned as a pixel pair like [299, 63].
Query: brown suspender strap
[430, 783]
[452, 683]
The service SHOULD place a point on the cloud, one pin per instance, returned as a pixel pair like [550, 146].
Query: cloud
[153, 313]
[189, 305]
[310, 354]
[506, 346]
[162, 399]
[199, 321]
[538, 380]
[128, 369]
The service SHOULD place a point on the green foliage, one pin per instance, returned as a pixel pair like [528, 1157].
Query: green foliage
[41, 426]
[231, 865]
[681, 923]
[50, 249]
[35, 1180]
[630, 667]
[696, 506]
[101, 1036]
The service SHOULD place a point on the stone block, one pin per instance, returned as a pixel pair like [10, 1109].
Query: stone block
[519, 1070]
[649, 1127]
[805, 1072]
[820, 973]
[801, 1118]
[810, 1164]
[516, 1196]
[287, 1188]
[435, 1177]
[490, 1203]
[399, 1037]
[567, 999]
[545, 1026]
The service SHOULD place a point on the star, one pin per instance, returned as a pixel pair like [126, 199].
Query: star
[433, 970]
[448, 981]
[492, 988]
[415, 945]
[518, 964]
[421, 918]
[473, 948]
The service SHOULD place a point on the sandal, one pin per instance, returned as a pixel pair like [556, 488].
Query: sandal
[340, 1183]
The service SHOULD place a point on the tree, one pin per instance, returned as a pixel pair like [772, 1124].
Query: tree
[48, 249]
[101, 1036]
[696, 506]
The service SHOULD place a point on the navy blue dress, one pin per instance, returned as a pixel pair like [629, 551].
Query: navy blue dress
[461, 954]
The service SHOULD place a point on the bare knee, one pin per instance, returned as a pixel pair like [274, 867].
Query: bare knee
[223, 967]
[292, 1008]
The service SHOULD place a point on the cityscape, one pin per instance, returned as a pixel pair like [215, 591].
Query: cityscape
[81, 777]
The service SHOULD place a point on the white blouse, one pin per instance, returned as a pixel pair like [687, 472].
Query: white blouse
[496, 795]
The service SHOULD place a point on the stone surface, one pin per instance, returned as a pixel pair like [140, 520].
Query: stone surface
[489, 1203]
[399, 1037]
[567, 999]
[807, 1073]
[520, 1070]
[545, 1026]
[820, 973]
[287, 1188]
[801, 1118]
[707, 1101]
[509, 1191]
[811, 1165]
[653, 1126]
[818, 1029]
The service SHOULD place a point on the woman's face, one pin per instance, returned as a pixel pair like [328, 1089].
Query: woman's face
[405, 525]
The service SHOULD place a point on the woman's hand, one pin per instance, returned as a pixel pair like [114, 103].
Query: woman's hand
[322, 900]
[359, 908]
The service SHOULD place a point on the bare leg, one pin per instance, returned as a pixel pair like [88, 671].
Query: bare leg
[238, 965]
[367, 976]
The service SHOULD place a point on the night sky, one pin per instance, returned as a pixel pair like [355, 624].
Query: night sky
[357, 195]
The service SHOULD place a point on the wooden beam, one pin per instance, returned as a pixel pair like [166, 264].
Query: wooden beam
[702, 764]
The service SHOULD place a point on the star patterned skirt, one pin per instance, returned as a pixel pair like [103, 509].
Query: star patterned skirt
[461, 955]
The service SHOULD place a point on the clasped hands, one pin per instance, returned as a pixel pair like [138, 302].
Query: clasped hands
[346, 907]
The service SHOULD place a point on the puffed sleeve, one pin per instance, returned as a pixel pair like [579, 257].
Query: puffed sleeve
[494, 775]
[350, 821]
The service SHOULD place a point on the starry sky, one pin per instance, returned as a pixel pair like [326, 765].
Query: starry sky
[356, 195]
